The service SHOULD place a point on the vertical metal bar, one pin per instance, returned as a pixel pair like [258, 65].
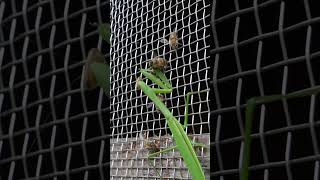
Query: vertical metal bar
[52, 145]
[68, 160]
[52, 10]
[2, 6]
[51, 96]
[217, 141]
[101, 154]
[24, 106]
[24, 57]
[24, 160]
[38, 118]
[24, 15]
[65, 19]
[308, 61]
[262, 138]
[66, 64]
[287, 155]
[51, 47]
[10, 133]
[1, 103]
[316, 171]
[83, 140]
[11, 171]
[37, 28]
[39, 165]
[11, 82]
[1, 60]
[238, 102]
[37, 77]
[235, 43]
[11, 39]
[66, 122]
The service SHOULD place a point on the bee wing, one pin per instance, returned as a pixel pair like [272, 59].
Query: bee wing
[164, 41]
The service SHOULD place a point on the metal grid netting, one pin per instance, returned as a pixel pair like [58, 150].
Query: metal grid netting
[50, 127]
[263, 48]
[138, 28]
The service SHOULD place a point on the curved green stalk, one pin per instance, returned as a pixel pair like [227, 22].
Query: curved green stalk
[249, 116]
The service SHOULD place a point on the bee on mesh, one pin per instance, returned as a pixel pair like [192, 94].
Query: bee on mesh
[173, 41]
[158, 63]
[152, 146]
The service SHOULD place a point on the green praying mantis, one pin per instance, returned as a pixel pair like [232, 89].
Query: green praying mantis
[183, 143]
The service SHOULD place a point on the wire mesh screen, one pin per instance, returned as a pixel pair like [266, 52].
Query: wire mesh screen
[50, 127]
[138, 31]
[263, 48]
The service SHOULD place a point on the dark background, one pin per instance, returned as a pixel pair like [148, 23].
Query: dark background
[264, 48]
[71, 134]
[240, 30]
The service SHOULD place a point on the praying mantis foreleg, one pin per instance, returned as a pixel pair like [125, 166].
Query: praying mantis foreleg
[183, 143]
[152, 155]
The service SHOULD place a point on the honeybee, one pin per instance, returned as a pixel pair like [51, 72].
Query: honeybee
[152, 146]
[158, 63]
[173, 40]
[89, 80]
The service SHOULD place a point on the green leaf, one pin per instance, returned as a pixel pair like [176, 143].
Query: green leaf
[102, 74]
[105, 32]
